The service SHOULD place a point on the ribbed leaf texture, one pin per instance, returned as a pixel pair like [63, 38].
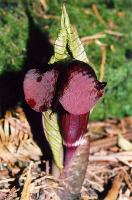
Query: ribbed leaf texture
[52, 133]
[74, 42]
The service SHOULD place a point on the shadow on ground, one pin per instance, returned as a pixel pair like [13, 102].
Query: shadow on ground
[39, 51]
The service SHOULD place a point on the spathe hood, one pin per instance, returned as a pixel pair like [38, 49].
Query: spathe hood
[78, 92]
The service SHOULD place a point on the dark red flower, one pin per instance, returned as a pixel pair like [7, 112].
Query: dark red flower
[74, 87]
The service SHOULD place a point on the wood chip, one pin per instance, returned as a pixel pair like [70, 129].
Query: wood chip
[27, 186]
[116, 184]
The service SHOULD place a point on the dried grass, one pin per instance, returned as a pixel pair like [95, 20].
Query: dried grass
[16, 140]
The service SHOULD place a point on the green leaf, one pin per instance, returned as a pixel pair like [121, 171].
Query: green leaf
[52, 133]
[60, 43]
[68, 36]
[74, 42]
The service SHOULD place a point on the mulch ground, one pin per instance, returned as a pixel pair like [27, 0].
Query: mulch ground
[22, 174]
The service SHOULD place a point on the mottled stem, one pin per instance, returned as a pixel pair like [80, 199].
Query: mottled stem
[74, 174]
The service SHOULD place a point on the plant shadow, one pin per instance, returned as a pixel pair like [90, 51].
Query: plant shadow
[39, 52]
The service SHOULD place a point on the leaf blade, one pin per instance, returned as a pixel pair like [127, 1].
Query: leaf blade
[52, 133]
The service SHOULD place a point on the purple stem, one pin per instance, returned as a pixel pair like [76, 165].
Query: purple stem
[73, 127]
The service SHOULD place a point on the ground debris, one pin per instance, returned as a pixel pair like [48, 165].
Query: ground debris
[109, 172]
[16, 139]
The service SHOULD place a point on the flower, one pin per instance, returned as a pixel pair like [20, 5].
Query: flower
[69, 88]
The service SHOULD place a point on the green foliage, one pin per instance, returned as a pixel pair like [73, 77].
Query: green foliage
[13, 36]
[118, 68]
